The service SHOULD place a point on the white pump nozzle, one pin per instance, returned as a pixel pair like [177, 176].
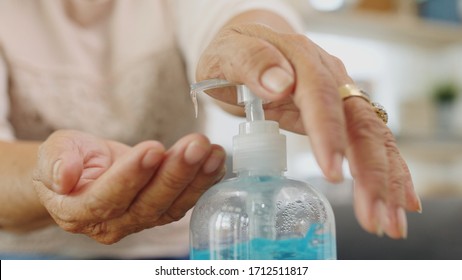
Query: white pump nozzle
[253, 105]
[259, 145]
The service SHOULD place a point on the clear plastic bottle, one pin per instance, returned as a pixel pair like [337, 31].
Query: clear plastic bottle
[260, 214]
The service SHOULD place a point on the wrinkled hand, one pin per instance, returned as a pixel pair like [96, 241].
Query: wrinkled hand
[301, 80]
[107, 190]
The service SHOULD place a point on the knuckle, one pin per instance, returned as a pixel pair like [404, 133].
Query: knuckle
[176, 214]
[322, 89]
[142, 211]
[109, 232]
[301, 43]
[214, 178]
[220, 175]
[254, 55]
[103, 209]
[390, 143]
[109, 239]
[206, 182]
[376, 171]
[71, 227]
[170, 217]
[395, 191]
[325, 91]
[103, 234]
[208, 66]
[100, 233]
[298, 38]
[97, 229]
[199, 137]
[366, 126]
[174, 180]
[337, 63]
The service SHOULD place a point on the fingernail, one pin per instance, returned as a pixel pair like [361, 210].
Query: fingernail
[419, 203]
[416, 199]
[214, 161]
[151, 158]
[402, 222]
[195, 152]
[380, 217]
[56, 176]
[276, 79]
[336, 170]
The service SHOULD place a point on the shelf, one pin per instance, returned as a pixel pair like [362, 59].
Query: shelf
[401, 27]
[381, 26]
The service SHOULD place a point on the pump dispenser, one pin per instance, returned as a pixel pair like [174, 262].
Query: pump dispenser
[260, 214]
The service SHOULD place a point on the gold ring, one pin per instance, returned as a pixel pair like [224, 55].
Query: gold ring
[351, 90]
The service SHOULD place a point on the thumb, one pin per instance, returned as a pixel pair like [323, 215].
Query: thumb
[248, 57]
[66, 172]
[277, 80]
[60, 162]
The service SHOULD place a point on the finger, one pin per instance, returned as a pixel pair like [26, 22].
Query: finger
[177, 171]
[211, 172]
[370, 210]
[366, 154]
[395, 193]
[413, 202]
[401, 195]
[317, 98]
[115, 190]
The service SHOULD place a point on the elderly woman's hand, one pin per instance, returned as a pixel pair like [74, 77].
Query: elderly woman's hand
[301, 80]
[108, 190]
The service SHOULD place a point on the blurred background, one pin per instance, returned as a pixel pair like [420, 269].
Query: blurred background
[408, 55]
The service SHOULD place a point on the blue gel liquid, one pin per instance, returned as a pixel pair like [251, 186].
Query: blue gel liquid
[312, 247]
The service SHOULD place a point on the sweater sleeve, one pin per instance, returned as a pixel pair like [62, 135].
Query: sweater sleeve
[6, 132]
[196, 22]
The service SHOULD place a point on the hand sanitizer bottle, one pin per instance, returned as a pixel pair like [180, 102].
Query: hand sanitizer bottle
[260, 214]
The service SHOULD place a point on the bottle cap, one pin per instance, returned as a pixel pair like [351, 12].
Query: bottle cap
[259, 146]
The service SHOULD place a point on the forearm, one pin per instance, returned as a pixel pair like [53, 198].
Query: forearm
[20, 208]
